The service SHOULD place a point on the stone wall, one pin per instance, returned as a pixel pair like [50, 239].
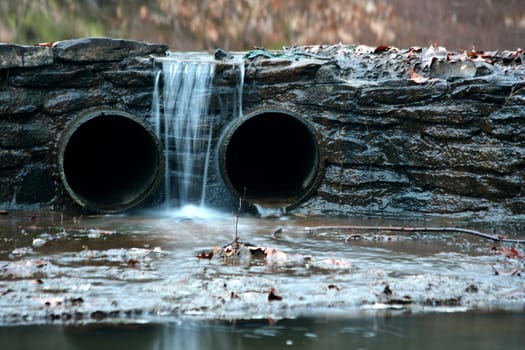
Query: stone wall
[447, 139]
[42, 88]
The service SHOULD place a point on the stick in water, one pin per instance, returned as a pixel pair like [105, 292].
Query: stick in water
[495, 238]
[239, 214]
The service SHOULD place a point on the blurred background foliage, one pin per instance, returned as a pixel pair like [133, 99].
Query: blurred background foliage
[241, 24]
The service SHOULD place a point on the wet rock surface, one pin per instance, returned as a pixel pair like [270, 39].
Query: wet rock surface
[42, 88]
[411, 131]
[444, 141]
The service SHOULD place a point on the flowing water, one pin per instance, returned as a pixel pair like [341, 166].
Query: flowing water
[141, 276]
[185, 125]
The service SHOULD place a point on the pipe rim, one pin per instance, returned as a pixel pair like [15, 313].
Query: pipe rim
[317, 169]
[89, 115]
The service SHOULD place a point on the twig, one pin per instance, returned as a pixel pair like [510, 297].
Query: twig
[495, 238]
[239, 214]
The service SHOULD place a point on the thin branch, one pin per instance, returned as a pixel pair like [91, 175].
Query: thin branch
[492, 237]
[238, 214]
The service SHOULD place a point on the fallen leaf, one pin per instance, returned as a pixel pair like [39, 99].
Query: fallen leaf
[510, 252]
[75, 301]
[381, 48]
[272, 296]
[40, 263]
[334, 287]
[48, 44]
[472, 54]
[274, 256]
[133, 262]
[416, 78]
[515, 272]
[204, 255]
[332, 263]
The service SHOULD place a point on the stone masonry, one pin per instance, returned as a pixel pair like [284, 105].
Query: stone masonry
[402, 132]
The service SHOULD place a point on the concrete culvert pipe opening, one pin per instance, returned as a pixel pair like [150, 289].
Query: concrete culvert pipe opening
[109, 161]
[274, 155]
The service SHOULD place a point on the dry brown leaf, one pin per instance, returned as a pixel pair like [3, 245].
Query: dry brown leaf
[417, 78]
[272, 296]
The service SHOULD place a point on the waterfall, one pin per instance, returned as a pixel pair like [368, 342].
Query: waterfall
[185, 125]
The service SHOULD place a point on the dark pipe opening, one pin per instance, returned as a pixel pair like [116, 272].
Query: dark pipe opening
[110, 161]
[274, 156]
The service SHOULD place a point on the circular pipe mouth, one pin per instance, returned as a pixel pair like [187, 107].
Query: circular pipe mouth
[271, 158]
[109, 161]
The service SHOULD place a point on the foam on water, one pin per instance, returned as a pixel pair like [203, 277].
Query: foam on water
[269, 212]
[191, 211]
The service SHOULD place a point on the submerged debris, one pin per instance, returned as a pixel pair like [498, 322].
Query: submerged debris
[272, 296]
[204, 255]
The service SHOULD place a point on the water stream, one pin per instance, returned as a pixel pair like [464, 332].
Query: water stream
[186, 126]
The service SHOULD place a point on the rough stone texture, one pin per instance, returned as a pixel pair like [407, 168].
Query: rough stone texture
[104, 49]
[14, 56]
[36, 187]
[43, 88]
[451, 143]
[24, 135]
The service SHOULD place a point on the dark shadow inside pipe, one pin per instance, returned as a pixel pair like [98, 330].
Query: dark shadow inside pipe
[274, 156]
[110, 163]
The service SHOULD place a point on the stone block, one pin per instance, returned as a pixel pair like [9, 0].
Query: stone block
[37, 186]
[506, 123]
[467, 183]
[132, 78]
[64, 101]
[359, 176]
[53, 77]
[14, 101]
[21, 56]
[404, 93]
[24, 135]
[489, 90]
[12, 158]
[104, 49]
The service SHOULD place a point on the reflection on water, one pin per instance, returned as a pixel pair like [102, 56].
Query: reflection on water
[427, 331]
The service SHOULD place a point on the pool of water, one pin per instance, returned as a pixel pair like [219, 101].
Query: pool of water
[142, 278]
[494, 330]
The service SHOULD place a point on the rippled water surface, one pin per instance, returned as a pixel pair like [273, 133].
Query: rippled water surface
[71, 276]
[427, 331]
